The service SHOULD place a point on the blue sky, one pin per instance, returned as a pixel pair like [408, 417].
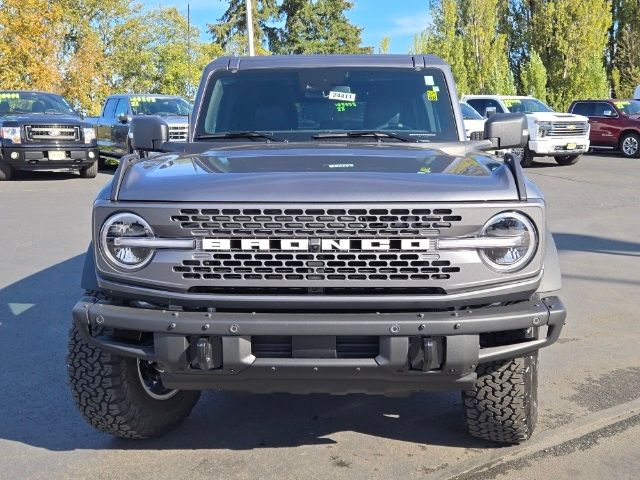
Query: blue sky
[398, 19]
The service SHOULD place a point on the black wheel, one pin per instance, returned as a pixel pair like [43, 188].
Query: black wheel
[123, 396]
[527, 158]
[567, 159]
[90, 171]
[503, 406]
[6, 172]
[630, 145]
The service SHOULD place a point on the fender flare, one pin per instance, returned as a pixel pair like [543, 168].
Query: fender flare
[551, 277]
[89, 280]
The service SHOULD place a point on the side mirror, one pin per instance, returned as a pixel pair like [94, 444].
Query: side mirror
[507, 130]
[490, 112]
[124, 118]
[148, 133]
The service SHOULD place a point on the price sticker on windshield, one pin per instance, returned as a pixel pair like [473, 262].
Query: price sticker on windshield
[344, 96]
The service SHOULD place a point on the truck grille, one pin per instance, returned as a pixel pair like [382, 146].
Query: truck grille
[55, 133]
[310, 266]
[178, 133]
[347, 346]
[328, 223]
[568, 129]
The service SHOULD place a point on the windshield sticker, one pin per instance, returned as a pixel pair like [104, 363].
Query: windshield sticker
[342, 106]
[347, 97]
[432, 96]
[425, 170]
[9, 95]
[621, 105]
[436, 89]
[428, 80]
[508, 102]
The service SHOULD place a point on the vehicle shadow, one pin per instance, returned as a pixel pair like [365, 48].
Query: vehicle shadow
[37, 409]
[40, 176]
[594, 244]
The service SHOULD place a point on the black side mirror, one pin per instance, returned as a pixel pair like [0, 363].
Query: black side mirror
[507, 130]
[124, 118]
[149, 133]
[490, 112]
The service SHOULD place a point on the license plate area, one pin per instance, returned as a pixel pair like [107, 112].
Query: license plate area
[57, 155]
[571, 146]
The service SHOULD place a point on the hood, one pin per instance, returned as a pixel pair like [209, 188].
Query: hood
[557, 117]
[40, 119]
[319, 173]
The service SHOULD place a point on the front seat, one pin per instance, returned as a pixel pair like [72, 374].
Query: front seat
[38, 107]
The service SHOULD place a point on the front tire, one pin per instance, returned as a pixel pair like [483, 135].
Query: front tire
[6, 172]
[630, 145]
[117, 397]
[90, 171]
[526, 160]
[503, 405]
[565, 160]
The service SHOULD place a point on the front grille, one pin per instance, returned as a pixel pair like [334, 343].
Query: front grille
[328, 223]
[178, 133]
[347, 346]
[56, 133]
[310, 266]
[568, 129]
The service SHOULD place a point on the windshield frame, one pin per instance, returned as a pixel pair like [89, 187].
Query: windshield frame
[445, 136]
[52, 99]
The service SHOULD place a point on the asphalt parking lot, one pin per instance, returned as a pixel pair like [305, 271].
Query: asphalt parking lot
[589, 425]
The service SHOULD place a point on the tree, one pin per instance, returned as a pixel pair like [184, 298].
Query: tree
[384, 45]
[316, 26]
[230, 32]
[623, 59]
[533, 77]
[31, 33]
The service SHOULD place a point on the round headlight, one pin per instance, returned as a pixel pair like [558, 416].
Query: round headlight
[130, 226]
[510, 225]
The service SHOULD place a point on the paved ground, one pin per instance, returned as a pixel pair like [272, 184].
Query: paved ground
[589, 387]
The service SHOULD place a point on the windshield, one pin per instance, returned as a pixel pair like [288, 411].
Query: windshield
[15, 103]
[163, 106]
[469, 113]
[525, 105]
[300, 103]
[629, 107]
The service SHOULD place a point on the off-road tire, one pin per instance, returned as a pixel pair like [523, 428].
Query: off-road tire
[6, 172]
[527, 158]
[630, 137]
[110, 396]
[503, 406]
[91, 171]
[565, 160]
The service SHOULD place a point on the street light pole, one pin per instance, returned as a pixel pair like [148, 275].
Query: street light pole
[250, 28]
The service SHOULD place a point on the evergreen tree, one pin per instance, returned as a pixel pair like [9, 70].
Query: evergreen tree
[624, 40]
[384, 45]
[316, 26]
[533, 77]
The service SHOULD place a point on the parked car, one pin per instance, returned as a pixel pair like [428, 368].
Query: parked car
[327, 228]
[112, 126]
[615, 124]
[473, 122]
[562, 136]
[41, 131]
[636, 93]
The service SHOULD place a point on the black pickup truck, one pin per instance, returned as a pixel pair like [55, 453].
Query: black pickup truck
[112, 126]
[42, 131]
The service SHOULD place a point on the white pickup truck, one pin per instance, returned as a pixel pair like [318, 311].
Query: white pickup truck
[563, 136]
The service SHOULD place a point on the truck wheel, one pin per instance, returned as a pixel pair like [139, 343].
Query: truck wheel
[90, 171]
[123, 396]
[567, 159]
[6, 172]
[527, 158]
[630, 145]
[503, 405]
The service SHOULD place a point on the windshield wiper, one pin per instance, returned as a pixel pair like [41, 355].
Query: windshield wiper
[248, 134]
[364, 133]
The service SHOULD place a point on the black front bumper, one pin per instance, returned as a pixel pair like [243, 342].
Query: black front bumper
[36, 157]
[173, 334]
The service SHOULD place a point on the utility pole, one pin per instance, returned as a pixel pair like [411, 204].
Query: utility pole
[250, 28]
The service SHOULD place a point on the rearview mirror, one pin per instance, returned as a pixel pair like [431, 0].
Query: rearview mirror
[507, 130]
[148, 133]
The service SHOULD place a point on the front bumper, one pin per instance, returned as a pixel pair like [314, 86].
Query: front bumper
[457, 334]
[36, 157]
[560, 146]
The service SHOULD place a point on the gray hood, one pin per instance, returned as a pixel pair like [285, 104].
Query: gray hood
[318, 173]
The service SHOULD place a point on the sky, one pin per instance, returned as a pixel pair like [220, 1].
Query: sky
[398, 19]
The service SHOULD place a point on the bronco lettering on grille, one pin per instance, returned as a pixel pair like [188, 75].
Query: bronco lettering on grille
[315, 245]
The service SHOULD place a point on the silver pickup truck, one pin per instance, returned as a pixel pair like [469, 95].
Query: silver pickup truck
[325, 228]
[112, 126]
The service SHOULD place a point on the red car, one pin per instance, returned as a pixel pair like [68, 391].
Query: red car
[614, 124]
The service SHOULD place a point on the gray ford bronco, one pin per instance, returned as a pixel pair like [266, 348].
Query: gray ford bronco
[325, 228]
